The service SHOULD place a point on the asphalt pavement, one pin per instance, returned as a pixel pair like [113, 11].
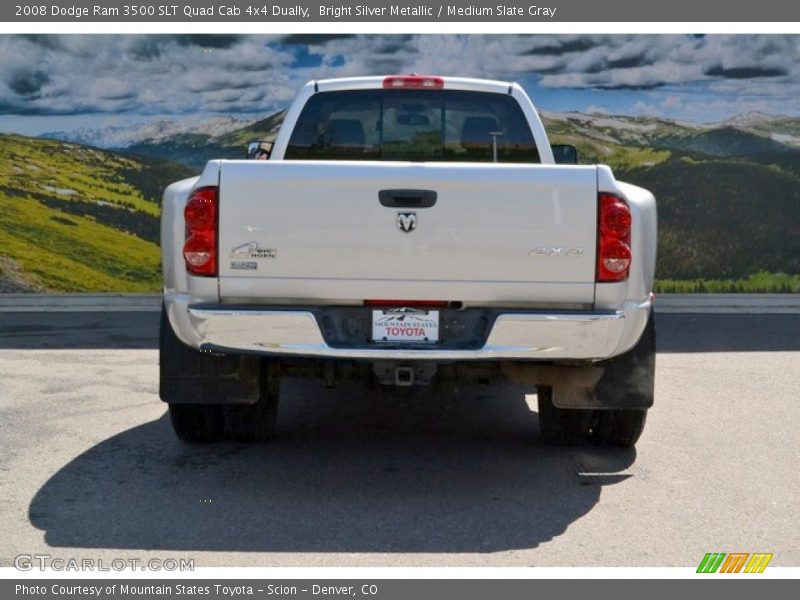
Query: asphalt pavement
[89, 467]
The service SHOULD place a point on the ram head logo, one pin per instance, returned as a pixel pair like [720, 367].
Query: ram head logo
[407, 222]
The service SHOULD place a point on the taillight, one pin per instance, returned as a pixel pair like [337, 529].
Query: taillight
[200, 248]
[613, 238]
[414, 82]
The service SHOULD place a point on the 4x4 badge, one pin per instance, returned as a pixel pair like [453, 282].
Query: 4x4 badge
[407, 222]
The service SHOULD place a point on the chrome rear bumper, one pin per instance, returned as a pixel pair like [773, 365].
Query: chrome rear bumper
[542, 336]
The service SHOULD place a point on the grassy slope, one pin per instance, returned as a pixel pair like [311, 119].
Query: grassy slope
[718, 217]
[723, 218]
[605, 145]
[72, 220]
[726, 222]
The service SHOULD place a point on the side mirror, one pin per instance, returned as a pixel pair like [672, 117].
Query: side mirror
[565, 154]
[259, 150]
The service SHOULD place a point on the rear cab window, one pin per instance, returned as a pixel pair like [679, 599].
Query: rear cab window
[412, 125]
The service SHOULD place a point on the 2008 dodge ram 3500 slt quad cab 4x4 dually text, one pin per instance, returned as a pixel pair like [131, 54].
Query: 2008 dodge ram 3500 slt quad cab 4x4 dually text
[408, 228]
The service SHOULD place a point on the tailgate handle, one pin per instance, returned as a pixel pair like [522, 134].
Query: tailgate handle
[407, 198]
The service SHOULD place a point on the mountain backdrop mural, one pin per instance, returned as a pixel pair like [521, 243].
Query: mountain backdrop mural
[708, 123]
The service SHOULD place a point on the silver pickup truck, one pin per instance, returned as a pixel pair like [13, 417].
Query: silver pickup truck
[408, 229]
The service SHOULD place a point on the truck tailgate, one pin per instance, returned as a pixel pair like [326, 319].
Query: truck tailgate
[447, 231]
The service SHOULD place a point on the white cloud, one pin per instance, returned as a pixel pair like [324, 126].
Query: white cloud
[147, 74]
[177, 74]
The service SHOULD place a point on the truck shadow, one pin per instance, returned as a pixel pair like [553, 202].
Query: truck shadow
[349, 471]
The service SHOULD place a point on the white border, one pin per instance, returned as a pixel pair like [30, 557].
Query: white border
[273, 27]
[378, 573]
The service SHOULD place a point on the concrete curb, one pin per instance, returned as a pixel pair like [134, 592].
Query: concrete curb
[665, 303]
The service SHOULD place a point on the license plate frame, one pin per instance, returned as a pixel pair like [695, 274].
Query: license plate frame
[402, 325]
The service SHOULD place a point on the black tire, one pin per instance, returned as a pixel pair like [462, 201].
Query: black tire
[256, 422]
[560, 426]
[627, 378]
[620, 428]
[197, 423]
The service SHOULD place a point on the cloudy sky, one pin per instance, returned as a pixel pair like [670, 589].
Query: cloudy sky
[51, 82]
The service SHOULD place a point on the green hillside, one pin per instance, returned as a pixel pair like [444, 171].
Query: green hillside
[724, 142]
[75, 218]
[616, 141]
[723, 218]
[712, 182]
[728, 197]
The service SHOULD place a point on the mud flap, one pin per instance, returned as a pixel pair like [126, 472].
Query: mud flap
[628, 381]
[189, 376]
